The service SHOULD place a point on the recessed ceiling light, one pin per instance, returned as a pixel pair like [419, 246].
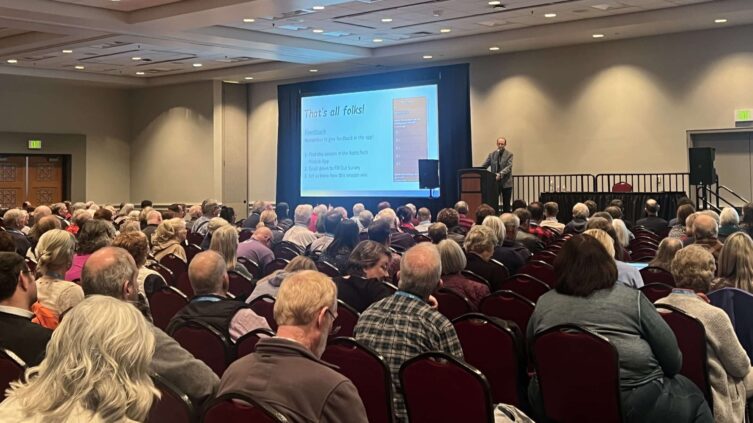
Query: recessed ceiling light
[495, 3]
[136, 59]
[140, 73]
[445, 30]
[248, 78]
[598, 35]
[377, 40]
[318, 7]
[313, 70]
[317, 31]
[428, 56]
[12, 61]
[494, 48]
[249, 20]
[720, 21]
[67, 51]
[550, 15]
[227, 81]
[79, 67]
[197, 65]
[385, 20]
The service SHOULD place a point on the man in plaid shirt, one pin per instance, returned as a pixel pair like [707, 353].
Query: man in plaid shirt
[405, 325]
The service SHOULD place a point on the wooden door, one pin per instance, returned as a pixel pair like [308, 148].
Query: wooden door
[45, 179]
[12, 181]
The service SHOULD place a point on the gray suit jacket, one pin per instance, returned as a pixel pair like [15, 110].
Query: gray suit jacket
[505, 170]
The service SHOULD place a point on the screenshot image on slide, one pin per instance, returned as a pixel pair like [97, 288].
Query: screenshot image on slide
[368, 143]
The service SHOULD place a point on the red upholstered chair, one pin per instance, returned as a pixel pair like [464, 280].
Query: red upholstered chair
[368, 372]
[540, 270]
[510, 306]
[525, 285]
[246, 344]
[654, 291]
[657, 275]
[251, 266]
[166, 273]
[245, 235]
[184, 285]
[421, 238]
[691, 338]
[173, 406]
[31, 264]
[194, 238]
[498, 352]
[191, 251]
[439, 388]
[205, 343]
[239, 408]
[264, 306]
[175, 264]
[327, 268]
[545, 256]
[579, 375]
[501, 269]
[452, 304]
[287, 250]
[276, 264]
[239, 285]
[165, 303]
[469, 274]
[347, 317]
[11, 369]
[622, 187]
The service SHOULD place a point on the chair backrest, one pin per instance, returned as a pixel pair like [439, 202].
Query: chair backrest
[540, 270]
[276, 264]
[194, 238]
[327, 268]
[264, 306]
[510, 306]
[184, 285]
[175, 264]
[191, 251]
[166, 273]
[347, 318]
[439, 388]
[525, 285]
[239, 285]
[246, 344]
[545, 256]
[469, 274]
[497, 351]
[738, 305]
[239, 408]
[368, 372]
[501, 269]
[31, 264]
[287, 250]
[622, 187]
[579, 375]
[691, 338]
[173, 406]
[11, 369]
[245, 235]
[205, 343]
[452, 304]
[165, 303]
[421, 238]
[657, 275]
[251, 266]
[654, 291]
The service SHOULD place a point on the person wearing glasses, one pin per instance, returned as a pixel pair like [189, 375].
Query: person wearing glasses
[286, 371]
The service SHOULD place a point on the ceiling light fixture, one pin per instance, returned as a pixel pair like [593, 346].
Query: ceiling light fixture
[197, 65]
[67, 51]
[79, 67]
[317, 31]
[495, 3]
[12, 61]
[550, 15]
[494, 48]
[248, 78]
[386, 20]
[720, 21]
[135, 59]
[313, 70]
[318, 7]
[140, 73]
[598, 36]
[377, 40]
[445, 30]
[428, 56]
[249, 20]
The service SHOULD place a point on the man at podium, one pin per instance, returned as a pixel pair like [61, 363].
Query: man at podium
[500, 161]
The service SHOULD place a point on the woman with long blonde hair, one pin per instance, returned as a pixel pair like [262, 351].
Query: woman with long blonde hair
[96, 369]
[168, 237]
[225, 242]
[55, 295]
[736, 263]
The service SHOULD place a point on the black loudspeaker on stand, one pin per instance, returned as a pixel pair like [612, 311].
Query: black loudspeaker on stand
[428, 174]
[702, 170]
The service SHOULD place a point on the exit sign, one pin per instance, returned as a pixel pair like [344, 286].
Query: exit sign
[743, 115]
[35, 144]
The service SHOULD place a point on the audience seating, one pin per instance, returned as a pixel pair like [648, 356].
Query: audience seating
[175, 264]
[657, 275]
[245, 235]
[287, 250]
[510, 306]
[501, 269]
[327, 268]
[166, 273]
[655, 291]
[11, 369]
[239, 285]
[497, 351]
[368, 372]
[391, 286]
[165, 304]
[264, 306]
[251, 266]
[246, 344]
[440, 388]
[691, 338]
[642, 257]
[184, 285]
[173, 406]
[239, 408]
[31, 264]
[421, 238]
[205, 343]
[347, 317]
[525, 285]
[545, 256]
[452, 304]
[469, 274]
[194, 238]
[578, 373]
[738, 305]
[540, 270]
[191, 251]
[276, 264]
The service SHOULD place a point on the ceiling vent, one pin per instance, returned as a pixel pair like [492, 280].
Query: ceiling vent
[239, 59]
[291, 27]
[337, 34]
[113, 44]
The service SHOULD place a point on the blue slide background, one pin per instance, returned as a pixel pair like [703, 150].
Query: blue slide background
[349, 155]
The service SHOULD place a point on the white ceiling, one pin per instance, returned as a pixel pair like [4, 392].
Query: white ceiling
[150, 42]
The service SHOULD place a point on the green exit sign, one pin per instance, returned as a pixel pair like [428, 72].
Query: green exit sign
[35, 144]
[743, 115]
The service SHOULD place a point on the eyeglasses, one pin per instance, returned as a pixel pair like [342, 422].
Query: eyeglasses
[334, 329]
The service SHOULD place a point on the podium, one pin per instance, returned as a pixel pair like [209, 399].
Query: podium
[478, 186]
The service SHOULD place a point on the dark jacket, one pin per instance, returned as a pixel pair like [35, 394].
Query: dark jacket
[26, 339]
[486, 270]
[360, 293]
[217, 314]
[654, 224]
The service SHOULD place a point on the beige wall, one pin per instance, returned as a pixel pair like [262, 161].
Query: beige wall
[39, 106]
[262, 142]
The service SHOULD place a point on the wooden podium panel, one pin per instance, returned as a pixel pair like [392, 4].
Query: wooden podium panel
[476, 187]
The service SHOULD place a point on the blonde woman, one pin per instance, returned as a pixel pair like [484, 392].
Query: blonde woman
[225, 242]
[270, 284]
[55, 295]
[93, 371]
[623, 234]
[268, 218]
[626, 273]
[736, 263]
[211, 226]
[167, 239]
[668, 247]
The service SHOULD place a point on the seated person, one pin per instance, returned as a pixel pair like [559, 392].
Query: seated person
[652, 221]
[270, 284]
[550, 218]
[453, 262]
[505, 254]
[367, 266]
[345, 240]
[479, 249]
[331, 221]
[626, 274]
[168, 239]
[705, 234]
[668, 247]
[580, 219]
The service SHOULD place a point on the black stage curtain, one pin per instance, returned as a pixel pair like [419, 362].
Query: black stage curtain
[632, 202]
[453, 89]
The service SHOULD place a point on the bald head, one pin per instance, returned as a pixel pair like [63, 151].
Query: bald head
[705, 227]
[110, 271]
[420, 269]
[263, 235]
[652, 207]
[154, 218]
[42, 211]
[208, 274]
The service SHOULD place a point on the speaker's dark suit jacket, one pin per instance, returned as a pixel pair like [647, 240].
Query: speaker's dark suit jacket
[502, 166]
[26, 339]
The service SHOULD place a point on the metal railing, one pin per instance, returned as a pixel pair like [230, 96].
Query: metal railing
[530, 187]
[644, 182]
